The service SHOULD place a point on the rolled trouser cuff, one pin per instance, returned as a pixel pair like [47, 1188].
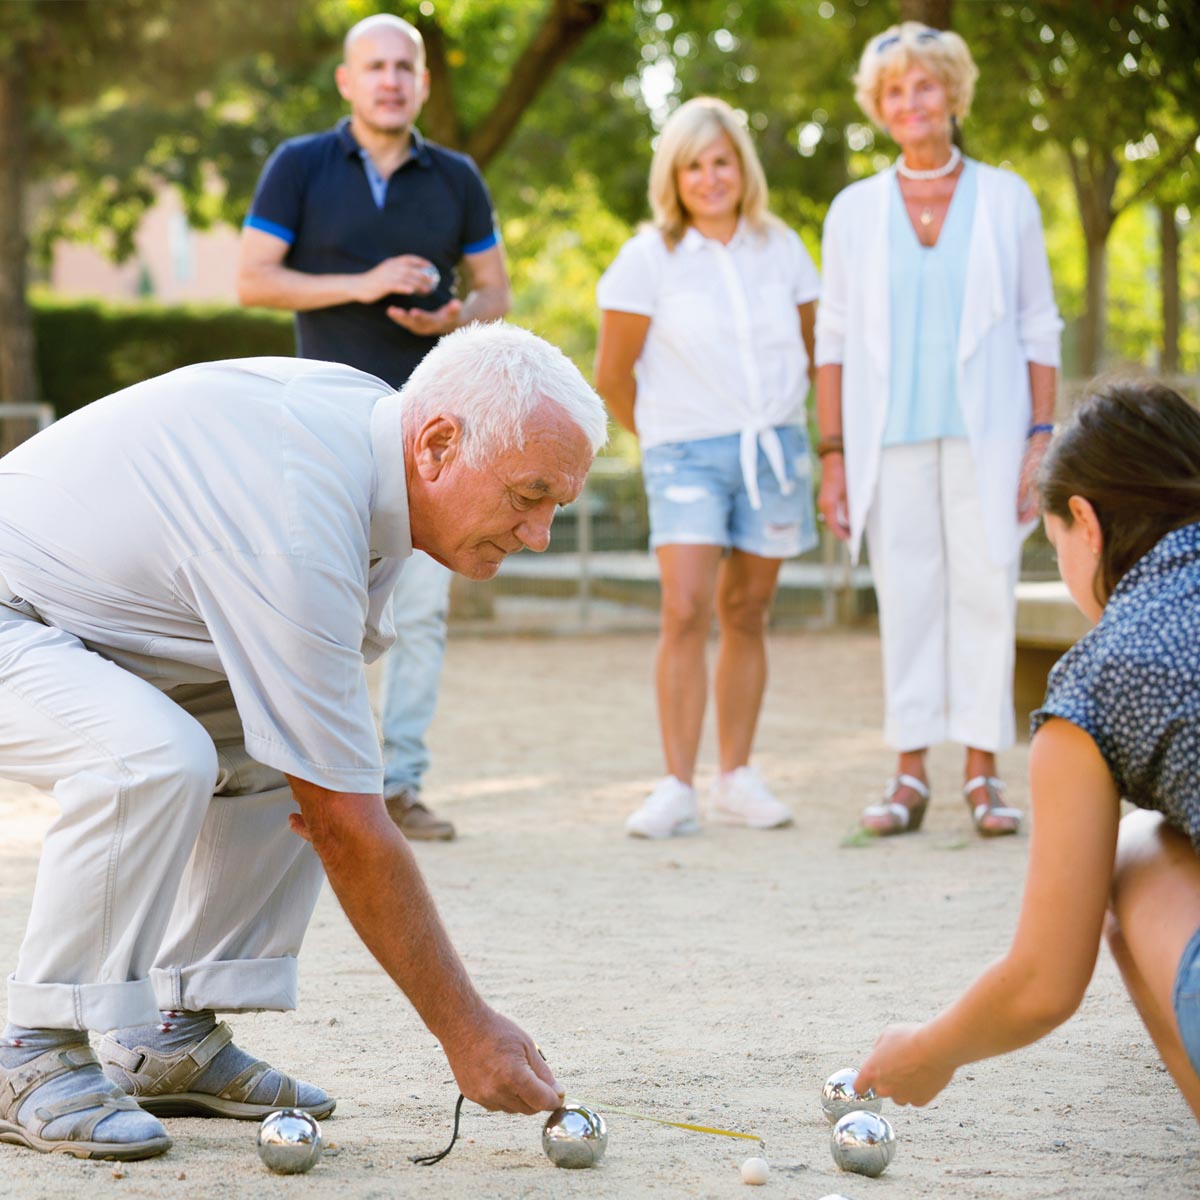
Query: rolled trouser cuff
[98, 1006]
[236, 985]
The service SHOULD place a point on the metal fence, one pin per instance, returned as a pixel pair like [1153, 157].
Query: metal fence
[21, 421]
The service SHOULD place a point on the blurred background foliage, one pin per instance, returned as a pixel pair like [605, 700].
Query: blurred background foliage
[1095, 102]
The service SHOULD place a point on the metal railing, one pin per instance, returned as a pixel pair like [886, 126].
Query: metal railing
[599, 575]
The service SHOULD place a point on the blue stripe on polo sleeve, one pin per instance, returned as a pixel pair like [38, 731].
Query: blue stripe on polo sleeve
[279, 231]
[485, 244]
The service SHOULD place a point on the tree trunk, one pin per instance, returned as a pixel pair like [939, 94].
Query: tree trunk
[566, 24]
[1094, 174]
[18, 378]
[1168, 282]
[934, 13]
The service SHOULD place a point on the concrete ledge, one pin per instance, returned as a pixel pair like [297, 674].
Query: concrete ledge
[1047, 616]
[810, 592]
[1048, 624]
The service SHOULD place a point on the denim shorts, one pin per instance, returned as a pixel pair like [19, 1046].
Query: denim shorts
[1186, 1000]
[697, 496]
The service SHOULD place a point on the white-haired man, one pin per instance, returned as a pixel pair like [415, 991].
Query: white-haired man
[359, 230]
[192, 574]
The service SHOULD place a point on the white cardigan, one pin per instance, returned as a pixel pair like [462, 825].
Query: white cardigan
[1009, 320]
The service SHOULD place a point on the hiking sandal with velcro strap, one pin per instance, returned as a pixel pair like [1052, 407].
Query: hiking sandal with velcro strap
[161, 1083]
[18, 1083]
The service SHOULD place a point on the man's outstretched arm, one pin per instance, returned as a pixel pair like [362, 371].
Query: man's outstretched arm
[376, 878]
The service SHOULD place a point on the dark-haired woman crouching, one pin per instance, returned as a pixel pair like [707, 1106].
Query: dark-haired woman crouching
[1120, 491]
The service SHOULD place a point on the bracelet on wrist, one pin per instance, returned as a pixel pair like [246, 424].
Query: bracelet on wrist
[1034, 430]
[829, 445]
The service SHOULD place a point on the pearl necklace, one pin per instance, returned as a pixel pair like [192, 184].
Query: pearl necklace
[937, 172]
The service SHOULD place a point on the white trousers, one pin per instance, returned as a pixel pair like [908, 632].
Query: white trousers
[946, 611]
[171, 878]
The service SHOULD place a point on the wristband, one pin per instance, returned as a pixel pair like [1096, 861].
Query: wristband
[829, 445]
[1036, 429]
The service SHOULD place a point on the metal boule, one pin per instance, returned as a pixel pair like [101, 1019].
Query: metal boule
[289, 1141]
[574, 1137]
[838, 1096]
[863, 1142]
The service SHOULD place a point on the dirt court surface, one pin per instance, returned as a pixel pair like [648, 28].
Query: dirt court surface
[716, 979]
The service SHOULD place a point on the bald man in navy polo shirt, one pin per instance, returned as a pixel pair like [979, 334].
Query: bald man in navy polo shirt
[359, 231]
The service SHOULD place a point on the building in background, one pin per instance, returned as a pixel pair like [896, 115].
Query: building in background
[172, 263]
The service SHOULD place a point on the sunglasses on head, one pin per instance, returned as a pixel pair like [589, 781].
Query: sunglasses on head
[926, 35]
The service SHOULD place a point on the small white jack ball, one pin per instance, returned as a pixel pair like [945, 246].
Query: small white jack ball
[756, 1171]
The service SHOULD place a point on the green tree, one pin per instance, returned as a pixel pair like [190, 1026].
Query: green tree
[1116, 88]
[55, 58]
[195, 95]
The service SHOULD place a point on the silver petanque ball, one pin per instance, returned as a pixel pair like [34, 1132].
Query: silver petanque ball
[838, 1096]
[574, 1137]
[289, 1141]
[863, 1142]
[432, 274]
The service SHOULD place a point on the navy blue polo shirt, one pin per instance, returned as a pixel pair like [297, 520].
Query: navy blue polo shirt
[315, 194]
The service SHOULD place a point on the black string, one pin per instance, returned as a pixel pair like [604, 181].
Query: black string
[427, 1160]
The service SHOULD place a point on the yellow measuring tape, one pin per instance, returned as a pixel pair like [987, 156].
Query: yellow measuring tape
[626, 1112]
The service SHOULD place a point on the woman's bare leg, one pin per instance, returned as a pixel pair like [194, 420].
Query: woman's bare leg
[1155, 911]
[689, 577]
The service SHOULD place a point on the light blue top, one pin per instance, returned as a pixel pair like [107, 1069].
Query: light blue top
[377, 181]
[927, 284]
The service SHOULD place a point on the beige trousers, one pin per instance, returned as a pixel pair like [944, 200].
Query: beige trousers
[170, 878]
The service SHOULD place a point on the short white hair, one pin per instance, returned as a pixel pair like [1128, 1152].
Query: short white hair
[493, 378]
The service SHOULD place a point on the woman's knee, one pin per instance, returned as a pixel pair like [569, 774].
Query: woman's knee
[1139, 839]
[744, 610]
[685, 613]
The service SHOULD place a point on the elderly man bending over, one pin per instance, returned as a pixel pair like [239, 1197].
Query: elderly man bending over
[192, 573]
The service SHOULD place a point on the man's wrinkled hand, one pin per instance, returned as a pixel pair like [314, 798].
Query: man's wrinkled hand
[428, 323]
[298, 827]
[498, 1066]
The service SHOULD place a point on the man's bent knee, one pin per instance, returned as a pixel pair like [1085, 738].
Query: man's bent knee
[183, 761]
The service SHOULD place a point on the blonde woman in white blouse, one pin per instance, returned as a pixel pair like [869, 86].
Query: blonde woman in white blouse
[705, 348]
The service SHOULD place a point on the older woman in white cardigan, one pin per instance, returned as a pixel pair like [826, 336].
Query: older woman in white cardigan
[937, 355]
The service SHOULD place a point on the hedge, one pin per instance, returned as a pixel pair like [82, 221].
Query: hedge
[87, 349]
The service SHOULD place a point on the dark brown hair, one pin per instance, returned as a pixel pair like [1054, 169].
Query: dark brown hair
[1132, 450]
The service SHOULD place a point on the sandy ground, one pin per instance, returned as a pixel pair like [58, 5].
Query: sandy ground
[716, 979]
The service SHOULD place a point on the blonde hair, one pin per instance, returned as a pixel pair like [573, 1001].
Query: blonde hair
[689, 130]
[940, 52]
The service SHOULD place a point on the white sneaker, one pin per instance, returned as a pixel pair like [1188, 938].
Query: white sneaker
[669, 810]
[742, 798]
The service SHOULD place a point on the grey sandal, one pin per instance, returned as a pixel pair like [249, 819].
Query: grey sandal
[992, 817]
[17, 1084]
[160, 1082]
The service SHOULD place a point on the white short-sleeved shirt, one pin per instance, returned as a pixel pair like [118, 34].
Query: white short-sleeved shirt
[723, 353]
[244, 520]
